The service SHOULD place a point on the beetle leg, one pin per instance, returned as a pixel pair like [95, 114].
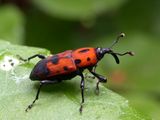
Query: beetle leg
[94, 68]
[28, 59]
[44, 82]
[82, 92]
[100, 79]
[97, 88]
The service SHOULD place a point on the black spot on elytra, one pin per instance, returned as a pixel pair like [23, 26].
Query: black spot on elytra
[77, 61]
[65, 68]
[55, 59]
[84, 50]
[88, 59]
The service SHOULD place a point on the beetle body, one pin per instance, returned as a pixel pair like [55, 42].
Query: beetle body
[68, 64]
[65, 65]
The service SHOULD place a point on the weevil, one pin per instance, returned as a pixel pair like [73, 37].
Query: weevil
[68, 64]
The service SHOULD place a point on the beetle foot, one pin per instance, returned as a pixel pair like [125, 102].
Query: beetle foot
[81, 108]
[22, 59]
[29, 107]
[97, 91]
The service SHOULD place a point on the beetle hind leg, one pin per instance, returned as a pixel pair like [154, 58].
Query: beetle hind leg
[34, 56]
[37, 95]
[44, 82]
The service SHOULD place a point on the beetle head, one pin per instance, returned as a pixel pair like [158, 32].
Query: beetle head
[102, 51]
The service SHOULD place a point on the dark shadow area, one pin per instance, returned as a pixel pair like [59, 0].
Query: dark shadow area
[64, 86]
[69, 88]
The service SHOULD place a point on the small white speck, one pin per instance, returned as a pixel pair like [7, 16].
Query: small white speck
[8, 63]
[20, 79]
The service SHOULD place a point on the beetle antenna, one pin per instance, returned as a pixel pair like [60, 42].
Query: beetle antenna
[118, 38]
[129, 53]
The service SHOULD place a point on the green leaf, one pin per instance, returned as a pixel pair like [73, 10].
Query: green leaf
[77, 9]
[60, 101]
[11, 24]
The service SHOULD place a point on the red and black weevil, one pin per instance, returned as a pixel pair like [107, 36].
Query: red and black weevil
[68, 64]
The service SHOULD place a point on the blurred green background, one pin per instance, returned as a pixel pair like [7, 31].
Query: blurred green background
[59, 25]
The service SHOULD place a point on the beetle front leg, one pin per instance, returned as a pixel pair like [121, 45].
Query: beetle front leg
[82, 92]
[44, 82]
[100, 79]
